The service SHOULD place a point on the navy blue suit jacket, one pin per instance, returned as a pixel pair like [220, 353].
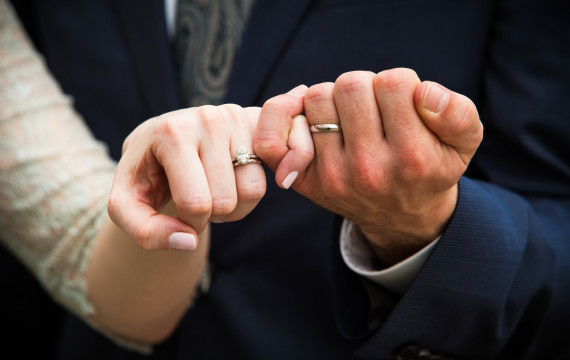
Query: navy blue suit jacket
[498, 283]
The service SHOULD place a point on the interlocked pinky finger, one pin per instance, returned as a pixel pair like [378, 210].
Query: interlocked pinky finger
[301, 153]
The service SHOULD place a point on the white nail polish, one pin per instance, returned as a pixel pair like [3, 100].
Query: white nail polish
[182, 241]
[289, 179]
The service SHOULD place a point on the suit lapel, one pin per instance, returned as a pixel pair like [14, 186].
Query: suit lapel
[270, 25]
[144, 30]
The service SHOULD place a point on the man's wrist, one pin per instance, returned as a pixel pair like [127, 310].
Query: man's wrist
[360, 258]
[398, 236]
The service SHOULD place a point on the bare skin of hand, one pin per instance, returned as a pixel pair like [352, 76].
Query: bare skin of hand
[185, 156]
[175, 176]
[394, 168]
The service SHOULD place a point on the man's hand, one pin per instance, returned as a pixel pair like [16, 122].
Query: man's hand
[393, 169]
[185, 156]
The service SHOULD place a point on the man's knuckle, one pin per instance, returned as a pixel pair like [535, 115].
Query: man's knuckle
[394, 78]
[319, 93]
[415, 165]
[353, 81]
[368, 176]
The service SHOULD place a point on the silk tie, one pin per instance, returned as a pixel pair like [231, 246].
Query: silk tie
[208, 33]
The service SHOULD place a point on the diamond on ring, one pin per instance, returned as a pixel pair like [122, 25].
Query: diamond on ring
[244, 157]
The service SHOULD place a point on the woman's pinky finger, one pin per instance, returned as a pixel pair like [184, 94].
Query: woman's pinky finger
[301, 153]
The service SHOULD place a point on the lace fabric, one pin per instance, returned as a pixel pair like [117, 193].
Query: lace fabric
[55, 178]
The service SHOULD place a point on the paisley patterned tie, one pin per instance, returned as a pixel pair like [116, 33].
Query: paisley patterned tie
[208, 33]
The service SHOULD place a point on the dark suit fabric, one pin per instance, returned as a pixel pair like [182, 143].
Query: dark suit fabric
[496, 286]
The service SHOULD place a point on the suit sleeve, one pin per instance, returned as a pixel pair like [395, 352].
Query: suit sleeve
[498, 282]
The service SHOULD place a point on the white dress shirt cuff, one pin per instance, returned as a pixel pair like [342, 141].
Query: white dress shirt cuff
[360, 258]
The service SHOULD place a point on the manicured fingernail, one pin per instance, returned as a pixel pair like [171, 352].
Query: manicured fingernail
[435, 98]
[299, 90]
[182, 241]
[289, 179]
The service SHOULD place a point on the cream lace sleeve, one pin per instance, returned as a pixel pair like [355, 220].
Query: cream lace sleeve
[54, 176]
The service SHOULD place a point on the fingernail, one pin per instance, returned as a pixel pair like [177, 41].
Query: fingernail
[435, 98]
[182, 241]
[299, 90]
[289, 179]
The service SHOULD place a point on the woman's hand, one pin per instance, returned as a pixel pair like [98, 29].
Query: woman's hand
[186, 156]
